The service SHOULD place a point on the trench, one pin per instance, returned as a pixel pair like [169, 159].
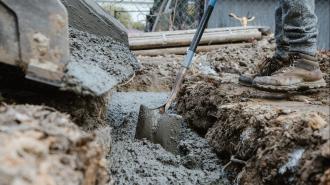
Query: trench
[212, 81]
[135, 161]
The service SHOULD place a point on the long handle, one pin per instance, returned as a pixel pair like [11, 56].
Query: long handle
[186, 64]
[198, 35]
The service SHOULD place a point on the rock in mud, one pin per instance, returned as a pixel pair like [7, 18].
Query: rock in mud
[40, 146]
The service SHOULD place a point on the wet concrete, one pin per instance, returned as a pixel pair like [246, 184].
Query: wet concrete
[86, 15]
[97, 64]
[141, 162]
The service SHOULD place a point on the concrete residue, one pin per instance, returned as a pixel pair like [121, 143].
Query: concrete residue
[141, 162]
[97, 63]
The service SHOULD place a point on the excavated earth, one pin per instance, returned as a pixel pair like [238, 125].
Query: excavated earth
[260, 137]
[41, 146]
[264, 137]
[233, 134]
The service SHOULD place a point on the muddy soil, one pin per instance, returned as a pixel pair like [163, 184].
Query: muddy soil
[273, 142]
[243, 135]
[196, 162]
[141, 162]
[266, 138]
[158, 73]
[42, 146]
[213, 81]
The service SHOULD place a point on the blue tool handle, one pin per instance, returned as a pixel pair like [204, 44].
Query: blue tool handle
[198, 35]
[212, 2]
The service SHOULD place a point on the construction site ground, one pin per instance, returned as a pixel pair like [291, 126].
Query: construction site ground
[259, 137]
[233, 133]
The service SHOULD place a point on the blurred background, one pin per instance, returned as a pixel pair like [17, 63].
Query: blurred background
[170, 15]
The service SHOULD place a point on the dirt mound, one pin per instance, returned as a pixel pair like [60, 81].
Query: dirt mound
[266, 138]
[42, 146]
[281, 143]
[324, 58]
[239, 59]
[158, 73]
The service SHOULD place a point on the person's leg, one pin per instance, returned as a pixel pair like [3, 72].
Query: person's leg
[280, 58]
[282, 47]
[300, 25]
[300, 32]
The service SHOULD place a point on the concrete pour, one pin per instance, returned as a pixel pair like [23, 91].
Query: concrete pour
[88, 16]
[141, 162]
[97, 63]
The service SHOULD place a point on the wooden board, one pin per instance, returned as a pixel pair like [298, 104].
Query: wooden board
[181, 50]
[184, 39]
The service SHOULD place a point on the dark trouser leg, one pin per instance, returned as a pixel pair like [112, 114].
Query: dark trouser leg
[282, 47]
[300, 25]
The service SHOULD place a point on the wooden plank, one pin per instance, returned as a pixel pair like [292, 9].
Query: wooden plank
[192, 31]
[185, 40]
[182, 50]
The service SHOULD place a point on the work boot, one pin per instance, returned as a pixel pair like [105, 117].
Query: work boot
[266, 68]
[302, 74]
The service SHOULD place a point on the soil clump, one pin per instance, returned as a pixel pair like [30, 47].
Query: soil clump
[158, 73]
[264, 137]
[42, 146]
